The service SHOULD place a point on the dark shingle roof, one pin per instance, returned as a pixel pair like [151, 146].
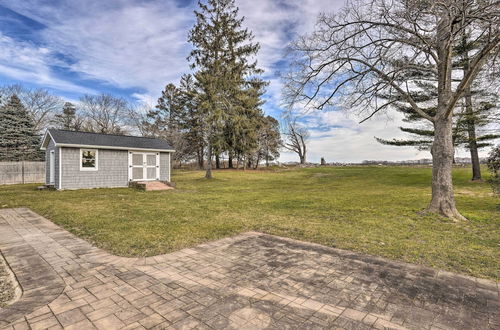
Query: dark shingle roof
[107, 140]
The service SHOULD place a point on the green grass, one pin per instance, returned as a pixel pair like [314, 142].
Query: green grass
[368, 209]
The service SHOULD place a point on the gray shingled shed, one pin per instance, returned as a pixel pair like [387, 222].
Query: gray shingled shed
[76, 160]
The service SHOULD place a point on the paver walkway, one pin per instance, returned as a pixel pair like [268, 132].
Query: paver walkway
[250, 281]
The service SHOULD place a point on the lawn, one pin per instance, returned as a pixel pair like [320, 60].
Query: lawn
[367, 209]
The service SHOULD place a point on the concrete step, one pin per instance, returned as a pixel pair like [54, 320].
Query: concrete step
[151, 185]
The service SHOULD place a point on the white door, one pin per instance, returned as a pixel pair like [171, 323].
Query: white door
[144, 166]
[52, 166]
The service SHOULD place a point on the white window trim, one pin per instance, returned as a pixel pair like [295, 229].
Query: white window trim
[96, 160]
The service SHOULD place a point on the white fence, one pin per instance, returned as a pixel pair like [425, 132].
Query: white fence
[22, 172]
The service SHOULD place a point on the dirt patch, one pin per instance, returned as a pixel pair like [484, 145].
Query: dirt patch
[321, 175]
[473, 193]
[7, 292]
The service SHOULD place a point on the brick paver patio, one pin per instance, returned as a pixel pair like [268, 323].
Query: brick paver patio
[250, 281]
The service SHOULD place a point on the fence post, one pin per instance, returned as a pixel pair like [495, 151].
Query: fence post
[22, 170]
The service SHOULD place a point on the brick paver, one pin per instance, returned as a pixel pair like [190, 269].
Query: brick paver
[250, 281]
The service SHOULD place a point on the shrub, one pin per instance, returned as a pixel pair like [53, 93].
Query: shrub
[493, 164]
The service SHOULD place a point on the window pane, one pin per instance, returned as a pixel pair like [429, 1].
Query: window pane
[137, 173]
[136, 159]
[151, 160]
[151, 172]
[88, 158]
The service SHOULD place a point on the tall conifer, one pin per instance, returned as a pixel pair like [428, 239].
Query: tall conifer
[225, 76]
[18, 137]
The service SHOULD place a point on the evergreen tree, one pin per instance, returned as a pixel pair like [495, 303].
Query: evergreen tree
[192, 117]
[478, 104]
[168, 109]
[269, 140]
[221, 52]
[177, 119]
[471, 116]
[420, 132]
[40, 104]
[245, 122]
[68, 118]
[18, 137]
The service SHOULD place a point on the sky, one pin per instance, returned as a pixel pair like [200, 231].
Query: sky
[133, 48]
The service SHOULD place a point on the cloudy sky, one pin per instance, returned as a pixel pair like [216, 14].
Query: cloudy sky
[132, 48]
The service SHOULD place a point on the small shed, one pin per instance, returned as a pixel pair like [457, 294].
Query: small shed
[76, 160]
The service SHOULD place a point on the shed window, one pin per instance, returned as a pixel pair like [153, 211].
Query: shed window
[88, 160]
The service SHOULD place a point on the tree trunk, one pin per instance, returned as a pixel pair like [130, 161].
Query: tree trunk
[230, 161]
[471, 122]
[200, 158]
[443, 199]
[471, 131]
[302, 158]
[217, 161]
[208, 174]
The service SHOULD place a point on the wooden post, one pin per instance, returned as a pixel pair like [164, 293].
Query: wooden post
[22, 171]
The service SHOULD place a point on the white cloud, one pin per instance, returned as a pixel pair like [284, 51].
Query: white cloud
[145, 99]
[125, 43]
[141, 45]
[28, 62]
[274, 24]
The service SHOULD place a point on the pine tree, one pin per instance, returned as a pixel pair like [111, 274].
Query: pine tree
[420, 132]
[269, 140]
[18, 138]
[68, 118]
[221, 52]
[473, 112]
[477, 104]
[192, 118]
[168, 110]
[178, 119]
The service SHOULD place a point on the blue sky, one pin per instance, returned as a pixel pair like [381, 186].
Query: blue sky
[133, 48]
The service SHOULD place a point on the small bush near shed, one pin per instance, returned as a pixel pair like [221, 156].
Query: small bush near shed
[493, 163]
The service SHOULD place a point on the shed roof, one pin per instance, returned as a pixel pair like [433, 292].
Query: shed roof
[67, 138]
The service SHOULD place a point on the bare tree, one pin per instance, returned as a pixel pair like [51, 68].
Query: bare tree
[371, 48]
[40, 104]
[138, 119]
[105, 113]
[296, 138]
